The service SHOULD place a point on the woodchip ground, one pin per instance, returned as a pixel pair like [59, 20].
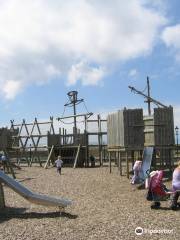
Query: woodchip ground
[105, 206]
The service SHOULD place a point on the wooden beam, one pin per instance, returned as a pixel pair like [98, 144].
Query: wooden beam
[30, 124]
[77, 155]
[29, 136]
[99, 139]
[96, 120]
[77, 115]
[97, 133]
[49, 157]
[2, 200]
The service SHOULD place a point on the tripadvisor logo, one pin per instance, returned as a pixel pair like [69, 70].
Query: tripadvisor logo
[139, 231]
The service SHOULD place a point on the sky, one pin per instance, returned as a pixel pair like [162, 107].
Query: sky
[96, 47]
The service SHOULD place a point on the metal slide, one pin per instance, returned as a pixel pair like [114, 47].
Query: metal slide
[32, 196]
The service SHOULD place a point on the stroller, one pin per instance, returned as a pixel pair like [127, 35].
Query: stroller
[157, 191]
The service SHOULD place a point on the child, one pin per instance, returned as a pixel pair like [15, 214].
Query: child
[136, 169]
[59, 163]
[4, 161]
[158, 190]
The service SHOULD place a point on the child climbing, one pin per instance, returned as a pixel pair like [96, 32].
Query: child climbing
[59, 163]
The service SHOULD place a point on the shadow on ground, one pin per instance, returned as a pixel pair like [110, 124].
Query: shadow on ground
[20, 213]
[166, 209]
[25, 179]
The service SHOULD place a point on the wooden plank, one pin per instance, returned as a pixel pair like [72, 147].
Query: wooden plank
[49, 157]
[77, 155]
[121, 131]
[164, 133]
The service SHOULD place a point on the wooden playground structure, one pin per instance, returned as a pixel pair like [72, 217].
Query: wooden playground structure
[30, 144]
[120, 138]
[37, 142]
[130, 131]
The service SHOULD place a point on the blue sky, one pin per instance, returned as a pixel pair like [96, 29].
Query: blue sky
[98, 48]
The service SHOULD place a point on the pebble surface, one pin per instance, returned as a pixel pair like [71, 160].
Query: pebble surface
[105, 206]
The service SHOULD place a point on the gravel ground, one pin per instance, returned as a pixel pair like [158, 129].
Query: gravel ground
[105, 206]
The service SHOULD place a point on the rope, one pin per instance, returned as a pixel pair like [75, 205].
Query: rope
[144, 89]
[73, 121]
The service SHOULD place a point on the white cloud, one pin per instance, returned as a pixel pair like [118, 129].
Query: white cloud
[86, 74]
[133, 72]
[171, 36]
[11, 88]
[43, 39]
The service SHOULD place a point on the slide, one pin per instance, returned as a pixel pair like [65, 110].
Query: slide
[146, 163]
[32, 196]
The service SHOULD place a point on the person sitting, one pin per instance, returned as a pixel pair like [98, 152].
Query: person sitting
[158, 190]
[176, 187]
[136, 168]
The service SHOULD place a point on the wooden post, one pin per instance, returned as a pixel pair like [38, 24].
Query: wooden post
[86, 142]
[109, 155]
[118, 161]
[65, 131]
[77, 155]
[86, 148]
[120, 164]
[127, 165]
[99, 138]
[63, 137]
[49, 157]
[171, 163]
[102, 158]
[39, 160]
[2, 201]
[132, 157]
[104, 154]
